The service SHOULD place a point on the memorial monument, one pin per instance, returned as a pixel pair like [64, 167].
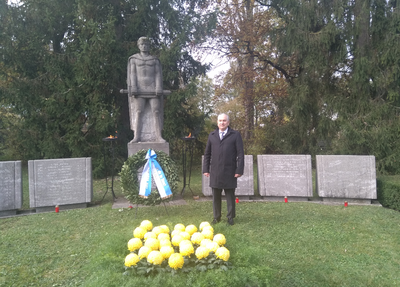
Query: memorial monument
[146, 99]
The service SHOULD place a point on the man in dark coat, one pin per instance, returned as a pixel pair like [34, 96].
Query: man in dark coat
[224, 163]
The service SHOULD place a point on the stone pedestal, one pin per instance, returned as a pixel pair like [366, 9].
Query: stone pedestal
[135, 147]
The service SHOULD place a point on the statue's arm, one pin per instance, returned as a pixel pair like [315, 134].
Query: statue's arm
[132, 76]
[159, 80]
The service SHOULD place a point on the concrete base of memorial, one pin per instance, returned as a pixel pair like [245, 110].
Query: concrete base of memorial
[282, 198]
[135, 147]
[61, 207]
[349, 200]
[6, 213]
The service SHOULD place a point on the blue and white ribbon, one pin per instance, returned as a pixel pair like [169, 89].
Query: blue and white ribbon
[153, 169]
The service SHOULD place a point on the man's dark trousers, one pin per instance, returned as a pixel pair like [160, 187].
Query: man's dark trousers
[230, 200]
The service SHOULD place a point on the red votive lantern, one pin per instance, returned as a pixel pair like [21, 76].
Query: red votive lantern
[57, 208]
[237, 199]
[345, 204]
[285, 198]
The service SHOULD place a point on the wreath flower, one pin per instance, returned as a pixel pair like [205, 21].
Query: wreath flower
[202, 252]
[153, 243]
[144, 251]
[220, 239]
[180, 227]
[134, 244]
[203, 224]
[197, 237]
[129, 177]
[139, 232]
[167, 251]
[146, 224]
[191, 229]
[176, 261]
[155, 257]
[222, 253]
[131, 259]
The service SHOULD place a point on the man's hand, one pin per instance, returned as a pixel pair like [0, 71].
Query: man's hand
[206, 174]
[237, 175]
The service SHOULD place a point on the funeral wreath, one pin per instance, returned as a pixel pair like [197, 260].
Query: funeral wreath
[129, 177]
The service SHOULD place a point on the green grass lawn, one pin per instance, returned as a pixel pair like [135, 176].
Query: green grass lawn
[271, 244]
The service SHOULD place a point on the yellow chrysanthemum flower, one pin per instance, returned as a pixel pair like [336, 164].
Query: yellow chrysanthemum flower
[131, 260]
[176, 240]
[220, 239]
[176, 261]
[144, 251]
[212, 246]
[175, 232]
[202, 252]
[191, 229]
[186, 248]
[164, 228]
[179, 227]
[139, 232]
[166, 251]
[157, 230]
[185, 235]
[205, 241]
[153, 243]
[162, 236]
[197, 237]
[209, 227]
[149, 234]
[146, 224]
[165, 242]
[207, 233]
[134, 244]
[203, 224]
[222, 253]
[155, 257]
[185, 241]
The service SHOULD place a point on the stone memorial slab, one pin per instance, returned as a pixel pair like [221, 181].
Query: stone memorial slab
[245, 183]
[346, 177]
[10, 187]
[285, 175]
[65, 182]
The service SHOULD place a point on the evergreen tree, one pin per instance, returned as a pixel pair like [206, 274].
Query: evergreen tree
[68, 61]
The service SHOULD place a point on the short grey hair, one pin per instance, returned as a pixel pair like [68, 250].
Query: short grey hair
[223, 114]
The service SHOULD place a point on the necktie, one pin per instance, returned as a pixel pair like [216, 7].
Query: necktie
[221, 135]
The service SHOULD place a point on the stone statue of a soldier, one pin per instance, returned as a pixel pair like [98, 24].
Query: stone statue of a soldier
[145, 95]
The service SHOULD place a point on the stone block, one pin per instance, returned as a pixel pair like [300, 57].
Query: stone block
[285, 175]
[60, 182]
[10, 187]
[346, 176]
[245, 183]
[135, 147]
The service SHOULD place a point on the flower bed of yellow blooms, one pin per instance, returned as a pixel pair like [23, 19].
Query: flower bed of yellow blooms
[157, 249]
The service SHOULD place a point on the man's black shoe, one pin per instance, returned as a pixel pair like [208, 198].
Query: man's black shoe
[215, 221]
[230, 221]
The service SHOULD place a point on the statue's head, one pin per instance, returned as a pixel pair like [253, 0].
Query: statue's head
[143, 40]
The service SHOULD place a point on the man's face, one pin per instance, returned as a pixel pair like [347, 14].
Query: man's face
[223, 122]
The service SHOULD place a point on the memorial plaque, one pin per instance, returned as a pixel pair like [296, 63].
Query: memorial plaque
[285, 175]
[60, 182]
[245, 183]
[10, 187]
[346, 176]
